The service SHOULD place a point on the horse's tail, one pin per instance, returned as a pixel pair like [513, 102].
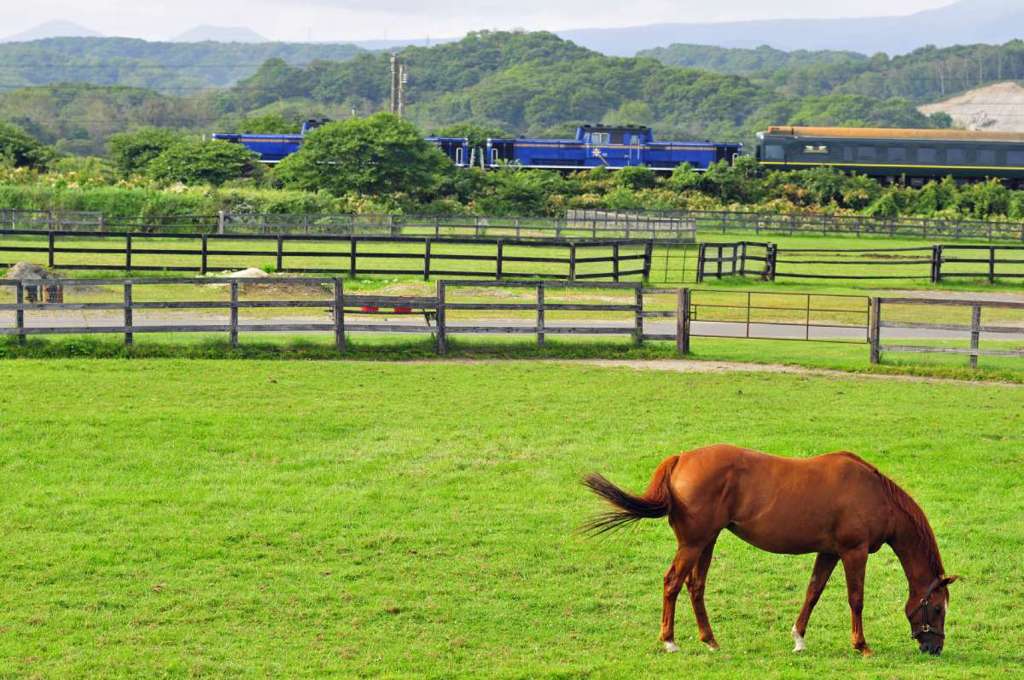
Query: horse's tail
[656, 501]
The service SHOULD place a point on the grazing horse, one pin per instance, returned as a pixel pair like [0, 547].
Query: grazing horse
[836, 505]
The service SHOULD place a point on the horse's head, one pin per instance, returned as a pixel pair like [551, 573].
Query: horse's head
[926, 612]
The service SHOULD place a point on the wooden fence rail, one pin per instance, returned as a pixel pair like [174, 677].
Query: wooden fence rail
[933, 263]
[352, 255]
[973, 331]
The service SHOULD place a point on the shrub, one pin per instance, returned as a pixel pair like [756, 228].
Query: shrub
[199, 162]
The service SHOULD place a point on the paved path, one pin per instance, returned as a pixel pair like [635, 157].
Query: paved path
[96, 319]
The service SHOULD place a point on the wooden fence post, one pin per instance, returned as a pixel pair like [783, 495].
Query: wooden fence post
[129, 337]
[426, 259]
[936, 263]
[772, 255]
[638, 316]
[992, 265]
[875, 330]
[128, 252]
[233, 334]
[19, 314]
[442, 328]
[683, 321]
[701, 255]
[279, 265]
[203, 256]
[352, 241]
[572, 261]
[615, 262]
[339, 314]
[975, 334]
[221, 219]
[51, 238]
[540, 314]
[498, 266]
[648, 256]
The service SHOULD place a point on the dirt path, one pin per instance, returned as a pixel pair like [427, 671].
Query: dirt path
[684, 366]
[690, 366]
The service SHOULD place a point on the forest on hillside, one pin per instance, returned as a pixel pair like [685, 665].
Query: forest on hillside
[170, 68]
[924, 75]
[506, 83]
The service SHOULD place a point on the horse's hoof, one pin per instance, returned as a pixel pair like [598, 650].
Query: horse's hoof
[798, 641]
[865, 651]
[712, 645]
[671, 647]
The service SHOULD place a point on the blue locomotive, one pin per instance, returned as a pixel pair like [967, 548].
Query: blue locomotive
[456, 148]
[271, 148]
[609, 146]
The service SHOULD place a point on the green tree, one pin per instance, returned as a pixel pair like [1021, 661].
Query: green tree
[199, 162]
[132, 151]
[20, 149]
[381, 154]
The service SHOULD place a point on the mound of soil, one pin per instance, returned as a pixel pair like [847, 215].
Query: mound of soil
[22, 271]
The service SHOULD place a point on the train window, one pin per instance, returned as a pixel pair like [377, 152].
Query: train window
[927, 154]
[956, 156]
[847, 153]
[1015, 158]
[816, 149]
[867, 153]
[896, 154]
[986, 157]
[600, 137]
[774, 152]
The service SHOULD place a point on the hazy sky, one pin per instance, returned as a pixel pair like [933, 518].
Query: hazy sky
[332, 20]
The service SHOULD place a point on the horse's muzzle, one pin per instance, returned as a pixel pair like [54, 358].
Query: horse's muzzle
[930, 648]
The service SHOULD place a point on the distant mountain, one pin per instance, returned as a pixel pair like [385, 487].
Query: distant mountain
[171, 68]
[52, 29]
[221, 34]
[399, 44]
[966, 21]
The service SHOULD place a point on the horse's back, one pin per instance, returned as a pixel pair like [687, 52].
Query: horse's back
[783, 504]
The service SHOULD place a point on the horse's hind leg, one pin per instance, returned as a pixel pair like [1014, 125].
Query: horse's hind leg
[823, 566]
[684, 562]
[695, 584]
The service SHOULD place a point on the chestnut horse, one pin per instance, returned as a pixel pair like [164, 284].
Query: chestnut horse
[836, 505]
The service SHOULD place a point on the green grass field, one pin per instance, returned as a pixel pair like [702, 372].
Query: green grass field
[311, 519]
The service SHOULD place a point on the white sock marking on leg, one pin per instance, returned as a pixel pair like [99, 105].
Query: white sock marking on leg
[671, 647]
[798, 639]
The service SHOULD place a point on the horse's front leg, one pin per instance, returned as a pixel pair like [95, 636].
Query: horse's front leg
[824, 563]
[854, 563]
[685, 560]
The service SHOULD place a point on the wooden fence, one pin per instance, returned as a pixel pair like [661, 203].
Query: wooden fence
[973, 331]
[661, 225]
[310, 305]
[353, 255]
[155, 305]
[933, 263]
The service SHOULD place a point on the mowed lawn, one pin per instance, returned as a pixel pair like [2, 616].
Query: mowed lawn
[287, 519]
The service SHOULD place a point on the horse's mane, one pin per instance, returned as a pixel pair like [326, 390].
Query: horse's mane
[902, 501]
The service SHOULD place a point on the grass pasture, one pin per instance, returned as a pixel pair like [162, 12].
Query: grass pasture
[169, 518]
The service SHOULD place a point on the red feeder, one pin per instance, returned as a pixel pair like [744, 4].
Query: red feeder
[370, 309]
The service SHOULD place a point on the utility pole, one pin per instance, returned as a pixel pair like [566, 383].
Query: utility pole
[399, 78]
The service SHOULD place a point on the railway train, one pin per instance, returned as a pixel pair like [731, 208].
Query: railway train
[594, 146]
[887, 154]
[892, 155]
[607, 146]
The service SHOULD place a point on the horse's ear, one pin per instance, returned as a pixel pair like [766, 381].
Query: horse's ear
[946, 580]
